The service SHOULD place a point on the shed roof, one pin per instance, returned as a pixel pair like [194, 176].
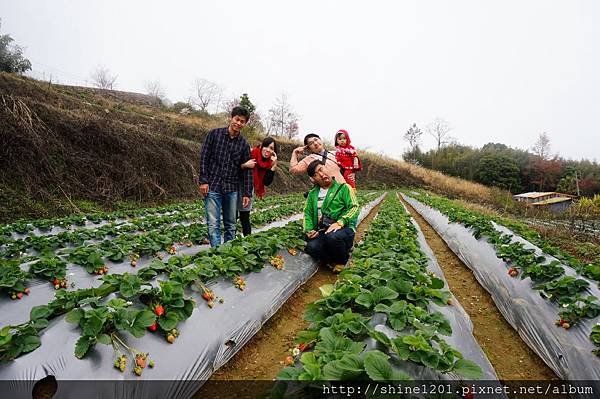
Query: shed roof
[535, 194]
[554, 200]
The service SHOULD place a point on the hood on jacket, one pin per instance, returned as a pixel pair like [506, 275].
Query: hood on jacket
[348, 142]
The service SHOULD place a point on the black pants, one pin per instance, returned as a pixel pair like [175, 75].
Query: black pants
[333, 248]
[245, 220]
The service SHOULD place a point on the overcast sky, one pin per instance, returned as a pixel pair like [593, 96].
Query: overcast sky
[497, 71]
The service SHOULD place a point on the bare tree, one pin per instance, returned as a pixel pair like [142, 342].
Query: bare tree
[268, 125]
[282, 121]
[155, 89]
[541, 148]
[439, 130]
[413, 136]
[102, 78]
[229, 105]
[207, 94]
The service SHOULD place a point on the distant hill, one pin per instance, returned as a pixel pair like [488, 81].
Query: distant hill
[67, 148]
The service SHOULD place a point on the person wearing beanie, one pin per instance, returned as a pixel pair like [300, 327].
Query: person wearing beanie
[330, 216]
[346, 157]
[316, 152]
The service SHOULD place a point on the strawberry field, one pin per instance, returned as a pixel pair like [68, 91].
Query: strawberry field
[139, 296]
[548, 296]
[124, 291]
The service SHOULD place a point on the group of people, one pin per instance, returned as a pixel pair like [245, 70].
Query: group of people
[231, 173]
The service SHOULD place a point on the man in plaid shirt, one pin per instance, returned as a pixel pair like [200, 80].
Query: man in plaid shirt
[221, 176]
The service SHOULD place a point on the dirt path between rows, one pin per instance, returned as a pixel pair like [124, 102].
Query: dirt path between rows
[511, 357]
[261, 359]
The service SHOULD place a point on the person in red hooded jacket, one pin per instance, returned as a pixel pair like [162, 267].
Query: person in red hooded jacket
[263, 162]
[346, 157]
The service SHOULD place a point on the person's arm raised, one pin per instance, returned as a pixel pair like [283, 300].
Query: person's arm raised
[295, 165]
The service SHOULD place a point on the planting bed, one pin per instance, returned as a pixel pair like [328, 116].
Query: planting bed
[388, 317]
[133, 309]
[554, 310]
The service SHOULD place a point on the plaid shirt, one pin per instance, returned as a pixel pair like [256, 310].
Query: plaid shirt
[221, 158]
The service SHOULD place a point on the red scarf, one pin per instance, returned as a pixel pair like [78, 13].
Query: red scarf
[262, 165]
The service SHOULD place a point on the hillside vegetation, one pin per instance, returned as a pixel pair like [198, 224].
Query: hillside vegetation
[67, 149]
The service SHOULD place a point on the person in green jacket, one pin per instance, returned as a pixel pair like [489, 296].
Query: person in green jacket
[330, 217]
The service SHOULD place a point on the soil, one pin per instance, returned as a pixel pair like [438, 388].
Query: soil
[509, 355]
[262, 358]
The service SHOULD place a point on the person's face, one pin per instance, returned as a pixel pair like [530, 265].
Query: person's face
[268, 151]
[341, 140]
[236, 124]
[315, 145]
[321, 177]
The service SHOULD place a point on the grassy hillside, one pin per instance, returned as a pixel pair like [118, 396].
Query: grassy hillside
[67, 149]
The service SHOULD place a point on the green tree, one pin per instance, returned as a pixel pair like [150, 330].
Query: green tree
[11, 56]
[246, 103]
[413, 155]
[498, 170]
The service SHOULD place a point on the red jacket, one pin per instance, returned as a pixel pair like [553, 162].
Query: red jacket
[262, 173]
[345, 155]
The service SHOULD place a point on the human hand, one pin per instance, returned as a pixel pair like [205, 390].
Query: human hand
[249, 164]
[203, 190]
[312, 234]
[333, 227]
[245, 201]
[299, 150]
[351, 177]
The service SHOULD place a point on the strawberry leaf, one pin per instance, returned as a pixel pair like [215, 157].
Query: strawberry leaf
[377, 366]
[467, 369]
[104, 339]
[143, 319]
[168, 321]
[83, 345]
[39, 312]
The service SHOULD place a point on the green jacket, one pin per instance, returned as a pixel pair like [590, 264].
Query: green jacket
[344, 208]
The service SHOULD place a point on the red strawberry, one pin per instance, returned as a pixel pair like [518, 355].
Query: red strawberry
[140, 361]
[159, 310]
[153, 327]
[19, 295]
[289, 361]
[55, 281]
[302, 346]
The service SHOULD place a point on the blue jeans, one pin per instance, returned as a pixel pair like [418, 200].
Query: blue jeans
[213, 204]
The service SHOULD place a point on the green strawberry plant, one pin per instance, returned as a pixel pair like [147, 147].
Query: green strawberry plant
[549, 278]
[50, 268]
[167, 302]
[13, 279]
[389, 276]
[567, 286]
[595, 337]
[577, 308]
[104, 324]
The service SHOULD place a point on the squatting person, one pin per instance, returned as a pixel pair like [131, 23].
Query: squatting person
[330, 217]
